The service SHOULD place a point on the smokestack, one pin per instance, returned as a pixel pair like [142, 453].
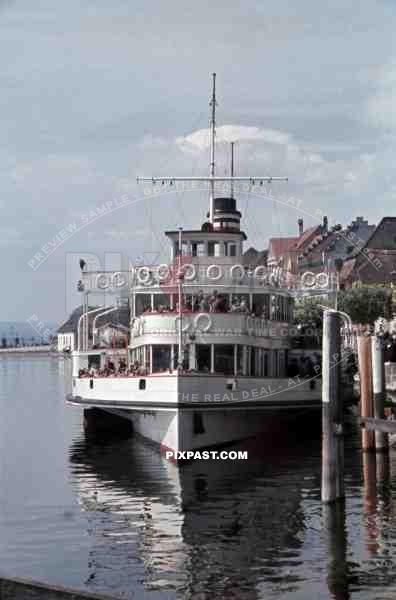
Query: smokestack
[300, 223]
[325, 223]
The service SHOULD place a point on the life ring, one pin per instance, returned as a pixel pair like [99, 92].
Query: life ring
[99, 280]
[185, 328]
[219, 272]
[257, 271]
[144, 275]
[322, 280]
[192, 275]
[241, 271]
[208, 324]
[311, 282]
[118, 280]
[159, 273]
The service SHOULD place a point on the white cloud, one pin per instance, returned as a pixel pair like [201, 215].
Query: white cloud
[199, 140]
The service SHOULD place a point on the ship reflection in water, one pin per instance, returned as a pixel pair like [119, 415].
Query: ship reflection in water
[115, 517]
[208, 529]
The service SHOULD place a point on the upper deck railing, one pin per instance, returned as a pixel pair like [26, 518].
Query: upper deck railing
[235, 277]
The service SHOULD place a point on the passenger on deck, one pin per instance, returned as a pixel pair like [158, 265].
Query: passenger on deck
[243, 306]
[235, 306]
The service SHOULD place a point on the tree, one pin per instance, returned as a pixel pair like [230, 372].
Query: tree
[308, 311]
[365, 304]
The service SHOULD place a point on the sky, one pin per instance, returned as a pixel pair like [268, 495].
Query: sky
[95, 93]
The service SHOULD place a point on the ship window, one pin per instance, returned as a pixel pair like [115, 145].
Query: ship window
[211, 248]
[240, 360]
[275, 363]
[240, 303]
[231, 249]
[198, 426]
[142, 384]
[265, 363]
[142, 303]
[200, 248]
[253, 361]
[91, 384]
[281, 363]
[94, 361]
[261, 305]
[176, 357]
[161, 358]
[202, 353]
[161, 302]
[224, 358]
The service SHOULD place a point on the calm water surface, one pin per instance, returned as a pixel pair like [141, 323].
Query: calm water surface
[114, 516]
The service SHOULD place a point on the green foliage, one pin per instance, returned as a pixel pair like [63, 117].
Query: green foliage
[308, 311]
[365, 304]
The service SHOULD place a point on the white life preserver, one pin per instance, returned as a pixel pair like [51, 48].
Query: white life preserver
[208, 324]
[257, 271]
[159, 274]
[219, 272]
[192, 275]
[322, 280]
[100, 284]
[144, 275]
[241, 272]
[185, 328]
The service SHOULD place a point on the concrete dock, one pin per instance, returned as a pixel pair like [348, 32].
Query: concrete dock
[22, 589]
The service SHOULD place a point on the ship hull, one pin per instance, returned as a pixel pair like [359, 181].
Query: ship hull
[181, 414]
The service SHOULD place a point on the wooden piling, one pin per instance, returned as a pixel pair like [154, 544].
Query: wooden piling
[370, 501]
[366, 394]
[379, 392]
[335, 534]
[332, 413]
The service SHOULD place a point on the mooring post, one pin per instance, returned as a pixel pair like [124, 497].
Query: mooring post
[338, 569]
[370, 501]
[379, 392]
[366, 393]
[332, 410]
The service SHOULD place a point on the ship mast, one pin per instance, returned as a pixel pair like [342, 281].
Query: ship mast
[259, 179]
[180, 328]
[232, 169]
[212, 148]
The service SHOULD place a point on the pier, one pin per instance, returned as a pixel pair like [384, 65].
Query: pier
[44, 349]
[375, 427]
[23, 589]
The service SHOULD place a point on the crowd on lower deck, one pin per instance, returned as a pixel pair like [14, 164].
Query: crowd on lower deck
[221, 359]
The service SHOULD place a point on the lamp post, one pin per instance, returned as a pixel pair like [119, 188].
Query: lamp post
[180, 331]
[338, 266]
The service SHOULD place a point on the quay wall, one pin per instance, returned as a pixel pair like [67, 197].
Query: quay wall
[21, 589]
[27, 350]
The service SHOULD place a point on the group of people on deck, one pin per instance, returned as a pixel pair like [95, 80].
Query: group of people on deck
[111, 370]
[214, 302]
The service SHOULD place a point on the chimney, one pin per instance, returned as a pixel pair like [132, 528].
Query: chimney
[300, 224]
[325, 223]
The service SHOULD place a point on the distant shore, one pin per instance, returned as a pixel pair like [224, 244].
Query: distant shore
[45, 349]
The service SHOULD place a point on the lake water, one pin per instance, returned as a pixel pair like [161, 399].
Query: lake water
[115, 517]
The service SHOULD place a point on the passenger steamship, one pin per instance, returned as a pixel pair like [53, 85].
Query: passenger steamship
[206, 358]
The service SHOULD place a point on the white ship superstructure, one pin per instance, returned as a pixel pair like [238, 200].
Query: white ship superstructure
[206, 359]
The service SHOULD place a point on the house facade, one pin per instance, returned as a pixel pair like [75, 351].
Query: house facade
[375, 263]
[328, 245]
